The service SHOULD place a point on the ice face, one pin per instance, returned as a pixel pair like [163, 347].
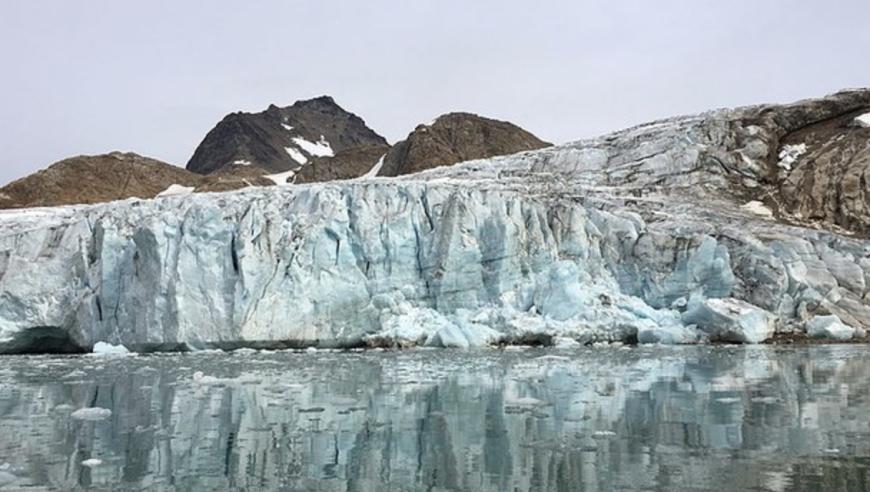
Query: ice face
[634, 236]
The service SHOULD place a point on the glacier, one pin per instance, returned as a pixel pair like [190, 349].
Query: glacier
[637, 236]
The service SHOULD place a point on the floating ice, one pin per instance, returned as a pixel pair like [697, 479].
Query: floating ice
[829, 327]
[103, 348]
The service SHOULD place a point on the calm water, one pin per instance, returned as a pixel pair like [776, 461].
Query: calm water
[690, 418]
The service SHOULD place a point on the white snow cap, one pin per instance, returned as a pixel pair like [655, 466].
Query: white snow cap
[296, 155]
[320, 148]
[863, 120]
[176, 189]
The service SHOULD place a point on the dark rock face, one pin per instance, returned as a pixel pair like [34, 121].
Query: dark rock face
[347, 164]
[282, 139]
[456, 137]
[808, 162]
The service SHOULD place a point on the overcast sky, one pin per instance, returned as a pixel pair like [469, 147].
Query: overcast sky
[85, 77]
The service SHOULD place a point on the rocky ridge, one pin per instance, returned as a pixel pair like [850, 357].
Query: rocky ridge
[675, 231]
[456, 137]
[89, 179]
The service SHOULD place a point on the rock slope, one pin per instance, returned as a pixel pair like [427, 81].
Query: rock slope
[456, 137]
[282, 139]
[675, 231]
[95, 179]
[89, 179]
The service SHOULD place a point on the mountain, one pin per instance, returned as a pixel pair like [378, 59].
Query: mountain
[456, 137]
[282, 139]
[675, 231]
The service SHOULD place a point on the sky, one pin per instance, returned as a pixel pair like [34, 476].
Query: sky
[154, 77]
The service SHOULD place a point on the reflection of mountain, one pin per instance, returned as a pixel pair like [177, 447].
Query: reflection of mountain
[668, 419]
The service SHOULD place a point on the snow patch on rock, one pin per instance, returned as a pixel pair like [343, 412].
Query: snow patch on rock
[863, 120]
[281, 179]
[321, 148]
[241, 162]
[176, 190]
[373, 172]
[296, 155]
[790, 154]
[758, 208]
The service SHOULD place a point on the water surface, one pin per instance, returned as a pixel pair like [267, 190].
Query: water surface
[648, 418]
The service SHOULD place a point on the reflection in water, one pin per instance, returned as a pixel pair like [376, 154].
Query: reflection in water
[697, 418]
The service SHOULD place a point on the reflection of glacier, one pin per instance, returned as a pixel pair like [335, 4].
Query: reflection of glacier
[530, 420]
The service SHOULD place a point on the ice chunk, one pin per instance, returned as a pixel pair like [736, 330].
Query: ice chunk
[790, 154]
[321, 148]
[176, 190]
[91, 414]
[829, 327]
[103, 348]
[296, 155]
[560, 295]
[730, 320]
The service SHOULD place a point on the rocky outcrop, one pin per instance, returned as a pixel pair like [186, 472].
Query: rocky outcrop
[347, 164]
[89, 179]
[641, 235]
[94, 179]
[453, 138]
[282, 139]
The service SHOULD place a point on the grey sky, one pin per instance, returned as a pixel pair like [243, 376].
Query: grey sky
[153, 77]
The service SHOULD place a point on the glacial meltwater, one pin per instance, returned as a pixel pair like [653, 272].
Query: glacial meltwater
[596, 418]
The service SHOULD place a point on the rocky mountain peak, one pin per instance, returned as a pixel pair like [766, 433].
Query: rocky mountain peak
[282, 139]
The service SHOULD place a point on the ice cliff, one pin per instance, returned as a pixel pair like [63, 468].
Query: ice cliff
[642, 235]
